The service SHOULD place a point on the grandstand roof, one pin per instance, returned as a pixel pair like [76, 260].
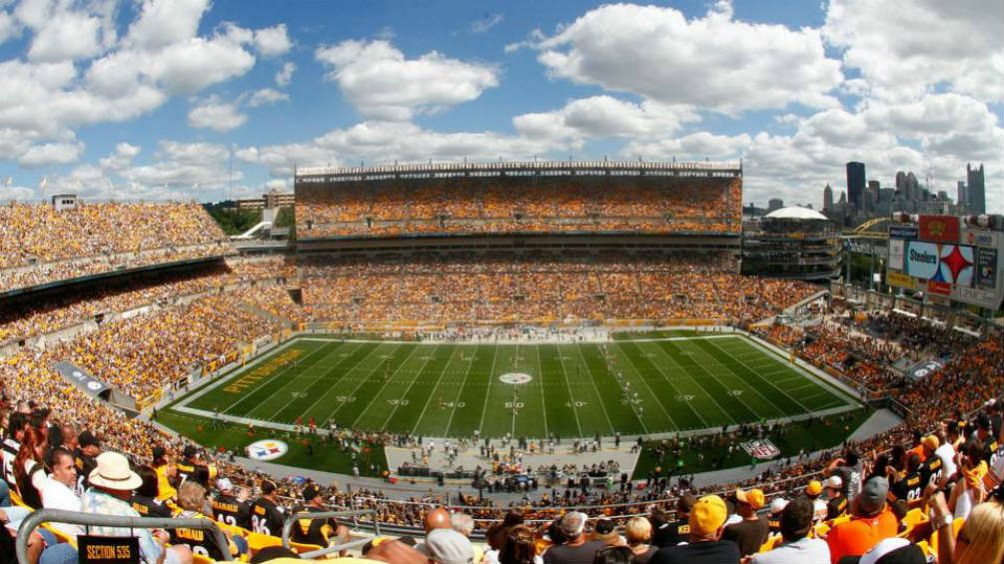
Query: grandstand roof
[518, 168]
[796, 212]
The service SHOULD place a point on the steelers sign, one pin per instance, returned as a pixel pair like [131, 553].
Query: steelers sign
[515, 378]
[267, 449]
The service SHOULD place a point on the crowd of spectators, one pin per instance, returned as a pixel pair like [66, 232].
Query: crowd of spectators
[39, 244]
[25, 318]
[482, 206]
[540, 287]
[864, 349]
[963, 385]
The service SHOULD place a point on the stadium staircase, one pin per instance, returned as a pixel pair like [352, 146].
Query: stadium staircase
[255, 310]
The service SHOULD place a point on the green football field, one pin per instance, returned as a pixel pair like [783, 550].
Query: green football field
[533, 390]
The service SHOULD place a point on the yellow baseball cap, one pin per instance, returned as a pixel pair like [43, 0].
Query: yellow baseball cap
[814, 488]
[753, 498]
[931, 442]
[708, 515]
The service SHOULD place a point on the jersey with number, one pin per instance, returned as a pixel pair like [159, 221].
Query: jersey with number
[229, 510]
[10, 448]
[910, 488]
[931, 471]
[201, 473]
[266, 517]
[201, 541]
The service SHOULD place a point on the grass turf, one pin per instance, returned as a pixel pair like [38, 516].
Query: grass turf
[685, 383]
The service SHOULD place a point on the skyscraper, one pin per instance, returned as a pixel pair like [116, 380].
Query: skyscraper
[827, 198]
[963, 198]
[976, 190]
[856, 184]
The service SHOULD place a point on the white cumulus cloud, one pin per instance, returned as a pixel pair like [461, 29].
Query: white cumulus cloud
[382, 84]
[714, 62]
[216, 115]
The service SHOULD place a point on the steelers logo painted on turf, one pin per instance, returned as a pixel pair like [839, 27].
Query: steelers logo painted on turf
[515, 378]
[268, 449]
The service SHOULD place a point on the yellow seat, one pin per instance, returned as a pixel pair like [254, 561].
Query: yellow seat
[15, 499]
[258, 541]
[956, 525]
[915, 517]
[60, 536]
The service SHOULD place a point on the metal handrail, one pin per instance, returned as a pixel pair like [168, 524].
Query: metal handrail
[36, 518]
[287, 528]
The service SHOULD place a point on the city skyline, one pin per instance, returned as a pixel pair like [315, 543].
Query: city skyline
[190, 99]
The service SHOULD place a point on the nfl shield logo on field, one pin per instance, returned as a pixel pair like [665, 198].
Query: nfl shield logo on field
[761, 449]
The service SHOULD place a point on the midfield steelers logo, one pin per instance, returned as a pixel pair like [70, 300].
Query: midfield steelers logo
[267, 449]
[515, 378]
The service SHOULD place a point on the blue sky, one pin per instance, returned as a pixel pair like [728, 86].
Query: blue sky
[147, 99]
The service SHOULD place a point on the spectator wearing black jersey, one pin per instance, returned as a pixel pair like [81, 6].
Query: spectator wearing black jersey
[145, 499]
[672, 533]
[17, 425]
[193, 505]
[909, 485]
[836, 501]
[192, 467]
[320, 532]
[932, 468]
[85, 456]
[229, 508]
[266, 515]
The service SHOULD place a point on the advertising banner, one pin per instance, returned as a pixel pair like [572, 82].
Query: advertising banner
[979, 237]
[923, 370]
[950, 264]
[986, 275]
[901, 280]
[942, 288]
[908, 232]
[922, 260]
[87, 383]
[939, 228]
[896, 253]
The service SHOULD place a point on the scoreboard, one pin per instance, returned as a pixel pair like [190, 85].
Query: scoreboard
[947, 256]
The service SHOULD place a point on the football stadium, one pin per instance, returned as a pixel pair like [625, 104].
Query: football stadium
[563, 356]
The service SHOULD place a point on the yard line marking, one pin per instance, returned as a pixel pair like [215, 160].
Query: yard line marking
[543, 396]
[306, 372]
[568, 386]
[696, 383]
[460, 392]
[599, 396]
[712, 345]
[406, 390]
[439, 380]
[385, 382]
[491, 378]
[350, 371]
[624, 354]
[284, 369]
